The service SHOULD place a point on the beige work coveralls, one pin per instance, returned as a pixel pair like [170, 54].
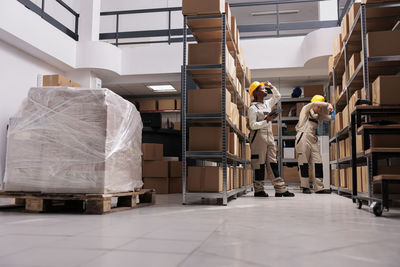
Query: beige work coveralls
[262, 144]
[307, 146]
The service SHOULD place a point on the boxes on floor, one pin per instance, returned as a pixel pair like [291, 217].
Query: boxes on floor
[290, 174]
[204, 179]
[175, 169]
[175, 185]
[195, 7]
[160, 184]
[152, 151]
[155, 168]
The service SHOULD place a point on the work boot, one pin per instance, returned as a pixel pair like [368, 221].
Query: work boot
[286, 194]
[323, 191]
[306, 190]
[260, 194]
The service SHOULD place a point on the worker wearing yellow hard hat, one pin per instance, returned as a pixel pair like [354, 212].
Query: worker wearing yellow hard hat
[262, 144]
[306, 144]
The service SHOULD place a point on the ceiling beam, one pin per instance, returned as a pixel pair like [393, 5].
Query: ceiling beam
[276, 2]
[288, 26]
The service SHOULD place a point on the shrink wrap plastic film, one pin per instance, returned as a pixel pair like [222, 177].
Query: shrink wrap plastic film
[69, 140]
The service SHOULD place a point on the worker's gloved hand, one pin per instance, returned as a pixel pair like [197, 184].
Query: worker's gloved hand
[333, 114]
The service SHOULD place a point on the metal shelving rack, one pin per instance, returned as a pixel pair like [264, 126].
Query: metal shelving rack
[222, 158]
[281, 138]
[364, 71]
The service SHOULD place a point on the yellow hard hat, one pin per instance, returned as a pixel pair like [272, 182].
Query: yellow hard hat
[318, 98]
[253, 87]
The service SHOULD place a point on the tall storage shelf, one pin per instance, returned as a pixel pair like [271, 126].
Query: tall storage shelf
[214, 28]
[351, 80]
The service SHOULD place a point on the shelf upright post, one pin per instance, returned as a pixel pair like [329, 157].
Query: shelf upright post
[183, 111]
[336, 136]
[223, 115]
[280, 142]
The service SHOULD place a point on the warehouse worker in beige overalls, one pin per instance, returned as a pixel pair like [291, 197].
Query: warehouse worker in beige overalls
[262, 144]
[307, 142]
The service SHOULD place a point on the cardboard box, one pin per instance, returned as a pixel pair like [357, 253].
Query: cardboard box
[195, 7]
[198, 98]
[359, 179]
[160, 184]
[242, 124]
[248, 152]
[234, 29]
[155, 168]
[338, 122]
[330, 64]
[228, 14]
[345, 28]
[175, 185]
[175, 169]
[166, 104]
[206, 139]
[344, 80]
[353, 13]
[249, 176]
[178, 104]
[364, 175]
[335, 177]
[177, 126]
[359, 143]
[290, 174]
[299, 106]
[385, 90]
[342, 178]
[58, 80]
[348, 147]
[385, 140]
[204, 179]
[337, 47]
[383, 43]
[333, 151]
[236, 179]
[349, 178]
[275, 129]
[235, 115]
[342, 149]
[354, 61]
[234, 144]
[210, 53]
[147, 105]
[152, 151]
[311, 90]
[338, 91]
[345, 117]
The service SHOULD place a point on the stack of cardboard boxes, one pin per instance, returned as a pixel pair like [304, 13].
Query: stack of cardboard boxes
[159, 174]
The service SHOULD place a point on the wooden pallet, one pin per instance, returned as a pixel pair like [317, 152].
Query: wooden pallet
[83, 203]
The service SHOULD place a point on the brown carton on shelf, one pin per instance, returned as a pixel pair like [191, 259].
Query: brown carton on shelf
[146, 105]
[195, 7]
[155, 168]
[359, 143]
[177, 125]
[178, 104]
[311, 90]
[353, 13]
[160, 184]
[241, 177]
[333, 151]
[345, 117]
[248, 152]
[385, 140]
[166, 104]
[344, 80]
[206, 139]
[342, 149]
[210, 53]
[175, 169]
[348, 146]
[290, 174]
[228, 14]
[330, 64]
[385, 90]
[342, 178]
[204, 179]
[345, 28]
[337, 46]
[338, 91]
[338, 122]
[364, 175]
[353, 63]
[334, 177]
[233, 144]
[205, 101]
[299, 106]
[243, 124]
[236, 178]
[235, 115]
[234, 29]
[175, 185]
[383, 43]
[249, 176]
[359, 179]
[58, 80]
[275, 129]
[152, 151]
[349, 178]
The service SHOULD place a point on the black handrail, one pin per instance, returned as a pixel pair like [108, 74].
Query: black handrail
[40, 11]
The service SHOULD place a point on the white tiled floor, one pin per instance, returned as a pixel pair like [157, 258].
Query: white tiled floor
[308, 230]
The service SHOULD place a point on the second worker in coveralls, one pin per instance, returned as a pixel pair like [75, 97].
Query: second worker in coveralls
[262, 144]
[307, 146]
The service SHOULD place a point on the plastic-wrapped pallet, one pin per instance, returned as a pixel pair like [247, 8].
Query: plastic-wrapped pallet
[69, 140]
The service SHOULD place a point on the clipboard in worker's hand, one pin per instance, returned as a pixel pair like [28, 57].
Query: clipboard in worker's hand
[275, 111]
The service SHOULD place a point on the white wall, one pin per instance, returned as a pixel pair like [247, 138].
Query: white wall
[18, 73]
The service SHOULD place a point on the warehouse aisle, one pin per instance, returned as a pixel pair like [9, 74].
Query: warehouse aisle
[308, 230]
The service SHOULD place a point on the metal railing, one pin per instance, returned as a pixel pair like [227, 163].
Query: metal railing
[41, 12]
[176, 35]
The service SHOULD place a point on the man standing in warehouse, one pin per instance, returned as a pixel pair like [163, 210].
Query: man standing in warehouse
[307, 146]
[262, 144]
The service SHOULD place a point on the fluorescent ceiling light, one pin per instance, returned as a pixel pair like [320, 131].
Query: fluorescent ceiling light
[162, 88]
[267, 13]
